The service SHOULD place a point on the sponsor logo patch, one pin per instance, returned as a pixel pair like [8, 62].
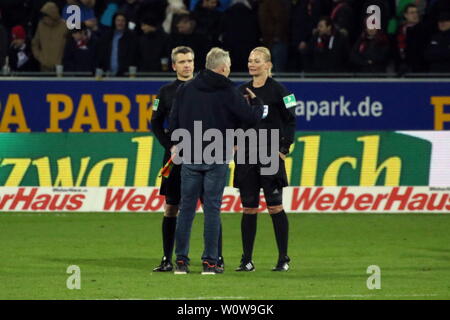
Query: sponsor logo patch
[290, 101]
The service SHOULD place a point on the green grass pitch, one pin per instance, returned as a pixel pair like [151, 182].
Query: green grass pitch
[330, 255]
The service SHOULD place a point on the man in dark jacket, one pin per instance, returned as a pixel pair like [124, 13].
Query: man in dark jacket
[304, 15]
[274, 25]
[79, 53]
[328, 49]
[19, 52]
[116, 50]
[438, 51]
[434, 10]
[370, 52]
[183, 35]
[131, 9]
[3, 44]
[240, 32]
[343, 17]
[412, 39]
[153, 45]
[208, 20]
[210, 101]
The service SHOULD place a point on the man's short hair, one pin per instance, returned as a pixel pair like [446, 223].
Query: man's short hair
[409, 6]
[217, 57]
[181, 49]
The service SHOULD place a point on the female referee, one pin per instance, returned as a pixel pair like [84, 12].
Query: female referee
[248, 178]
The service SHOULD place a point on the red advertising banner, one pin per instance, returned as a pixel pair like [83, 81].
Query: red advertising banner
[296, 199]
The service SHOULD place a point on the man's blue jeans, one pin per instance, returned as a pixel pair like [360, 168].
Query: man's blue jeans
[207, 181]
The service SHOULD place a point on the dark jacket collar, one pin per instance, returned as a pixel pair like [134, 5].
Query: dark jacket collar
[208, 80]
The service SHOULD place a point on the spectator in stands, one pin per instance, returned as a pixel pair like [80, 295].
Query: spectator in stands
[106, 19]
[438, 52]
[240, 33]
[117, 48]
[435, 7]
[19, 52]
[183, 35]
[35, 8]
[343, 18]
[412, 39]
[153, 45]
[274, 26]
[208, 19]
[328, 50]
[401, 6]
[157, 8]
[371, 52]
[131, 8]
[79, 53]
[174, 7]
[223, 4]
[240, 27]
[3, 42]
[305, 16]
[50, 38]
[87, 12]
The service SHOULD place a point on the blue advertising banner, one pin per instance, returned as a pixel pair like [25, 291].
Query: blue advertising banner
[372, 105]
[62, 105]
[77, 106]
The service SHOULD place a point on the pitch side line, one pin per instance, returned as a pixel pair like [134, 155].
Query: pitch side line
[203, 298]
[368, 295]
[306, 297]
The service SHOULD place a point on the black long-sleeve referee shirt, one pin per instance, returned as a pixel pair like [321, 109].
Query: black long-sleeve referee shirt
[281, 110]
[161, 111]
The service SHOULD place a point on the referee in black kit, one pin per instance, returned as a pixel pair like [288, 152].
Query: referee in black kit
[183, 64]
[248, 177]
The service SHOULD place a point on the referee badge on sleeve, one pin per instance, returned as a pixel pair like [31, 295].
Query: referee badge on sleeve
[266, 111]
[290, 101]
[155, 104]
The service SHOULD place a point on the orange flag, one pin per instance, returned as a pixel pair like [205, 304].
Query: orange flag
[165, 171]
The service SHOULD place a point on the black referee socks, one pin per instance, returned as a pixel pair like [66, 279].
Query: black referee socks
[248, 231]
[169, 225]
[281, 228]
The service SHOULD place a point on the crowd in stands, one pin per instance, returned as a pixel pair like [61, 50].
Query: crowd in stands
[314, 36]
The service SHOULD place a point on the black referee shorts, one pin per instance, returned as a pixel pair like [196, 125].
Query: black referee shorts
[249, 180]
[171, 186]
